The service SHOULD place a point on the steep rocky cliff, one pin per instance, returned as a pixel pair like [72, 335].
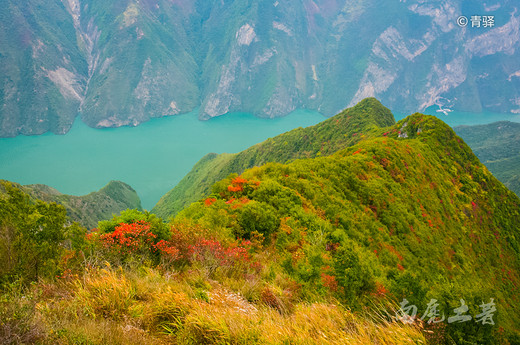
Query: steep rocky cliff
[122, 63]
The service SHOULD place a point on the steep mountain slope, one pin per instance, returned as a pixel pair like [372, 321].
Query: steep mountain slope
[89, 209]
[497, 145]
[325, 138]
[42, 70]
[140, 61]
[125, 62]
[411, 214]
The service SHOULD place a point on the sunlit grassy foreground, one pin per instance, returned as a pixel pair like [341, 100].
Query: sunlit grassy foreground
[116, 306]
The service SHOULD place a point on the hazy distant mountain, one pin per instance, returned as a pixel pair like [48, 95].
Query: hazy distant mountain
[124, 62]
[497, 145]
[89, 209]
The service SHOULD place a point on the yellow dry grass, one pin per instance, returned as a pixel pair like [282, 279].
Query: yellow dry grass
[112, 306]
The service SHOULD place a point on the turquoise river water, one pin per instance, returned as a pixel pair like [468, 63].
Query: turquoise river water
[154, 156]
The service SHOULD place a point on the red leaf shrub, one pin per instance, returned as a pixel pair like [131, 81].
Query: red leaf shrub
[167, 248]
[187, 245]
[329, 282]
[239, 184]
[134, 237]
[213, 250]
[209, 201]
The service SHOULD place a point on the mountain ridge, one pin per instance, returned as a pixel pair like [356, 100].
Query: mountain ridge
[413, 209]
[321, 139]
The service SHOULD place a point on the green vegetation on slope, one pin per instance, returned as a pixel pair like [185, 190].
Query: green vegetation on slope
[341, 131]
[310, 251]
[42, 70]
[412, 214]
[89, 209]
[31, 236]
[123, 285]
[497, 145]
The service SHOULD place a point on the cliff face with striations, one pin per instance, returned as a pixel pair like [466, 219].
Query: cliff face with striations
[123, 63]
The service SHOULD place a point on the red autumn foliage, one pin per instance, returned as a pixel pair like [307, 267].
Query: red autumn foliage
[235, 188]
[168, 249]
[238, 180]
[186, 245]
[239, 183]
[329, 282]
[206, 249]
[209, 201]
[331, 246]
[132, 237]
[381, 289]
[91, 235]
[194, 244]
